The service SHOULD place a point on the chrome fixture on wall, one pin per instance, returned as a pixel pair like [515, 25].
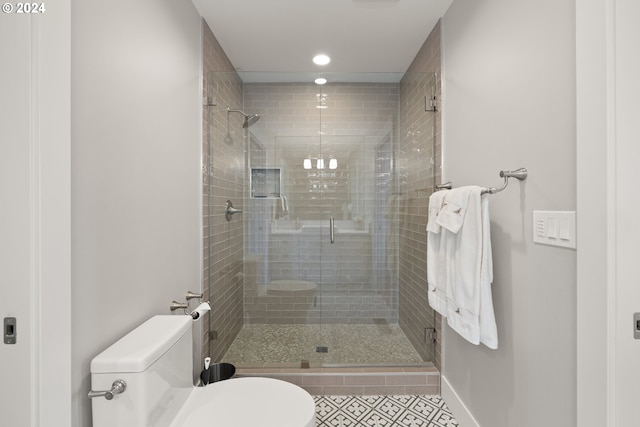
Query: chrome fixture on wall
[175, 305]
[203, 308]
[229, 210]
[192, 295]
[249, 119]
[519, 174]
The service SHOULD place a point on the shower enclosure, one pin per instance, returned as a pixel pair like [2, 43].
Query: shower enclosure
[326, 264]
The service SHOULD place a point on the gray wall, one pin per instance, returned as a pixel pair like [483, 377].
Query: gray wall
[136, 153]
[223, 179]
[593, 36]
[509, 96]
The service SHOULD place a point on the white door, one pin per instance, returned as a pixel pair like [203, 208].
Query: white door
[15, 238]
[626, 262]
[35, 217]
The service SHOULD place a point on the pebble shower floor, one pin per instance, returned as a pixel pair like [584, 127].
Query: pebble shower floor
[382, 411]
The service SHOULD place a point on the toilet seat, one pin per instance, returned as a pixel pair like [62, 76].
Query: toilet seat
[248, 402]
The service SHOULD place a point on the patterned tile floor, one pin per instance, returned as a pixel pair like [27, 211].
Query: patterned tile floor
[382, 411]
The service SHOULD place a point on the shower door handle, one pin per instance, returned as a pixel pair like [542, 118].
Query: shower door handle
[331, 235]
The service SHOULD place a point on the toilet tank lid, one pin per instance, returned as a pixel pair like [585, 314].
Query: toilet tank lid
[141, 347]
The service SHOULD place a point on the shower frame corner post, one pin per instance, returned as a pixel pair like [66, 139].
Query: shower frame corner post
[222, 88]
[209, 101]
[432, 340]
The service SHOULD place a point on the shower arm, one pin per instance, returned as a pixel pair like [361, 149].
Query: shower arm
[229, 110]
[249, 119]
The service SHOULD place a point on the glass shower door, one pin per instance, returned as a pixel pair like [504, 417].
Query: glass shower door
[358, 297]
[341, 262]
[322, 155]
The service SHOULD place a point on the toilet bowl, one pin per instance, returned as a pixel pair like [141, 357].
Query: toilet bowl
[248, 402]
[152, 366]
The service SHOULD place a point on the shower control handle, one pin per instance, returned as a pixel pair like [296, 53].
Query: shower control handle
[331, 230]
[229, 210]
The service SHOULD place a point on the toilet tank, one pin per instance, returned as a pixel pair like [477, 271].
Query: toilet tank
[155, 361]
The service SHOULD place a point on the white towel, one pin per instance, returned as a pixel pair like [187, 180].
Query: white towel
[454, 208]
[465, 246]
[435, 204]
[488, 327]
[437, 291]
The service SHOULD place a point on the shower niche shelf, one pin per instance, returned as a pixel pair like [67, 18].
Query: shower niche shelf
[265, 183]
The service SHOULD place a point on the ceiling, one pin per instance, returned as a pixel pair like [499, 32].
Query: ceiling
[367, 40]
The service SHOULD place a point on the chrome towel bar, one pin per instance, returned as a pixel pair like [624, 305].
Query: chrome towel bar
[519, 174]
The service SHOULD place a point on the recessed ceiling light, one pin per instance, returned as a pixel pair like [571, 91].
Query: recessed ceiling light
[320, 80]
[321, 59]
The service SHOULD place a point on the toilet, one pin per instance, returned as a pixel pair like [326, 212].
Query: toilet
[155, 363]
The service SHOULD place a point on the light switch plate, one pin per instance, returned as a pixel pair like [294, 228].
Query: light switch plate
[555, 228]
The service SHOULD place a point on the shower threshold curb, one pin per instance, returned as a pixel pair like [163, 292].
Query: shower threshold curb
[356, 381]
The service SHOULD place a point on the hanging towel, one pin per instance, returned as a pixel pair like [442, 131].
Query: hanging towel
[435, 204]
[465, 246]
[437, 291]
[454, 208]
[488, 327]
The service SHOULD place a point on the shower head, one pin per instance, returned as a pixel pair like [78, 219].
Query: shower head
[248, 119]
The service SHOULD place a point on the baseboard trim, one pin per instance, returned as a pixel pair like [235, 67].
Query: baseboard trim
[456, 405]
[355, 381]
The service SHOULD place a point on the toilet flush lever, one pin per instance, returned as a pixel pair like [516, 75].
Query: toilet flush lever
[117, 387]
